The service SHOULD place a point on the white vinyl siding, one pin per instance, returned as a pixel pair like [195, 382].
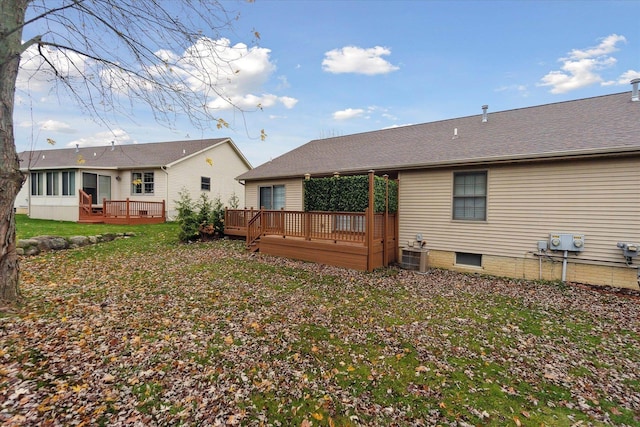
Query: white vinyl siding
[224, 166]
[598, 198]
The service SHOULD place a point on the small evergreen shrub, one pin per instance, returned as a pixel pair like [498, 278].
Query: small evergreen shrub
[203, 217]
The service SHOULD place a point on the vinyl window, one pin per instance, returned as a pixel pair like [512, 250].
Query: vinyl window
[205, 183]
[37, 183]
[142, 183]
[53, 185]
[470, 196]
[272, 197]
[68, 183]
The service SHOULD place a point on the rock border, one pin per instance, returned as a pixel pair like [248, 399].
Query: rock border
[37, 245]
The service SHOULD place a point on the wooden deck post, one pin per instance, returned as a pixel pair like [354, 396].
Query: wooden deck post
[164, 214]
[128, 213]
[370, 219]
[385, 228]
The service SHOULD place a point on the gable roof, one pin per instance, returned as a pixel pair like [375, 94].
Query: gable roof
[603, 125]
[126, 156]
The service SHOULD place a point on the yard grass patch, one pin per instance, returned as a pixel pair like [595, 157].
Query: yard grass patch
[171, 334]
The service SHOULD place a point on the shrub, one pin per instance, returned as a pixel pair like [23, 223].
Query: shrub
[187, 218]
[201, 217]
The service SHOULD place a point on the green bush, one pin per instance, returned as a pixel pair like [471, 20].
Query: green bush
[204, 215]
[187, 218]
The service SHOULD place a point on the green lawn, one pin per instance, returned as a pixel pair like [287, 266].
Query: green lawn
[27, 227]
[146, 330]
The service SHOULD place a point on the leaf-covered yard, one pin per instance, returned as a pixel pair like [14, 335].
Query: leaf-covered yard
[146, 331]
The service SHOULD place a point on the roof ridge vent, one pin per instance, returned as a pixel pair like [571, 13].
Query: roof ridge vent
[634, 90]
[484, 113]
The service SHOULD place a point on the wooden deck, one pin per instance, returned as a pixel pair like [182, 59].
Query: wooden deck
[130, 212]
[342, 239]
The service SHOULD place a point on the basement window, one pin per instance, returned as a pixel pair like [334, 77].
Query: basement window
[465, 258]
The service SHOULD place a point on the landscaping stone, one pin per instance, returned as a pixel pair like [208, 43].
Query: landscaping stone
[79, 241]
[39, 244]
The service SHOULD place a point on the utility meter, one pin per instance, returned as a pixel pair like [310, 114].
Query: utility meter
[572, 242]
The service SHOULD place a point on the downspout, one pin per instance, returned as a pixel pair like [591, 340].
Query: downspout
[27, 181]
[166, 212]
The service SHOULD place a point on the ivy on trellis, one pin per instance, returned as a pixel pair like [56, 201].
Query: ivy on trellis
[348, 194]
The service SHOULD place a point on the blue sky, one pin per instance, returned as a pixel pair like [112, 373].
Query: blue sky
[331, 68]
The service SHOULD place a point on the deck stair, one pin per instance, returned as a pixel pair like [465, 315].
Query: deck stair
[254, 231]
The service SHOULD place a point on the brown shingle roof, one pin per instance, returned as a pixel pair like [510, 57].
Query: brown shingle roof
[150, 155]
[600, 125]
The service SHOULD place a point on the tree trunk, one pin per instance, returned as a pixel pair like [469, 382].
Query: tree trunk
[12, 14]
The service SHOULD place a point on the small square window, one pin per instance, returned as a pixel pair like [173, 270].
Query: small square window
[142, 183]
[205, 183]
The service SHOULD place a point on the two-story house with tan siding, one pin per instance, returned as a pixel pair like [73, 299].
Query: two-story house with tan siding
[498, 193]
[151, 172]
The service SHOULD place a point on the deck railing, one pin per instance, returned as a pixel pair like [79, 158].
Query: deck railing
[347, 227]
[121, 211]
[133, 208]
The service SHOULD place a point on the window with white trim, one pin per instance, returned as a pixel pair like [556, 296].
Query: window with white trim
[205, 183]
[69, 183]
[53, 186]
[37, 183]
[142, 183]
[470, 196]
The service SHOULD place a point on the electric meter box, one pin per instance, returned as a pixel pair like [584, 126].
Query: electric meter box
[571, 242]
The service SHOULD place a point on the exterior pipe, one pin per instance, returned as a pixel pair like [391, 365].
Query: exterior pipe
[564, 266]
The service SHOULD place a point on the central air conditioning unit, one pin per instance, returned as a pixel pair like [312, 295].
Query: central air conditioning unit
[416, 259]
[572, 242]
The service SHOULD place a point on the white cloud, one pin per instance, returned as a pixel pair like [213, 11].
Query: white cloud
[347, 114]
[37, 75]
[251, 102]
[103, 139]
[288, 102]
[582, 67]
[626, 77]
[56, 126]
[214, 70]
[522, 89]
[352, 59]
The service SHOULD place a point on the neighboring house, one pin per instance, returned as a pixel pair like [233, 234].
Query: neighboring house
[489, 192]
[153, 172]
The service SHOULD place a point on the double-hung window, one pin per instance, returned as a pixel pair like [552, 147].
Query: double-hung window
[470, 196]
[205, 183]
[142, 183]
